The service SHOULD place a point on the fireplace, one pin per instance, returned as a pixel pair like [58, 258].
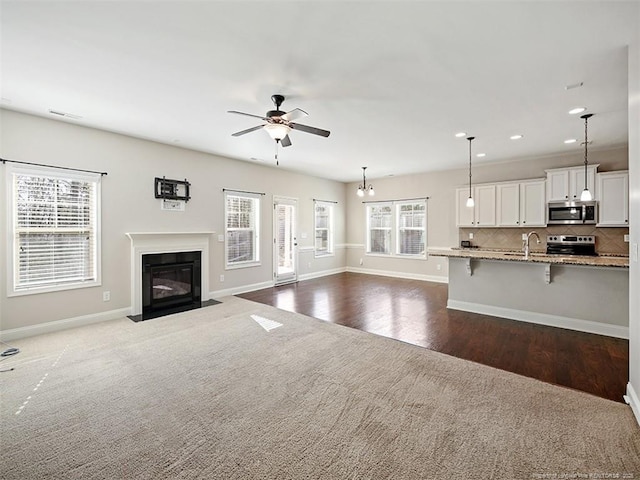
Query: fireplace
[171, 282]
[155, 246]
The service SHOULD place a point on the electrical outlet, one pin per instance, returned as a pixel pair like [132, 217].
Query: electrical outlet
[222, 278]
[471, 236]
[221, 238]
[361, 262]
[438, 267]
[626, 238]
[106, 296]
[524, 236]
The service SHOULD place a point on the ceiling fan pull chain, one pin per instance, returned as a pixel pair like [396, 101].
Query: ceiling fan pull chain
[277, 162]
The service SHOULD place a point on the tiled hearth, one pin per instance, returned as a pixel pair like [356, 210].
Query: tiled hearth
[608, 240]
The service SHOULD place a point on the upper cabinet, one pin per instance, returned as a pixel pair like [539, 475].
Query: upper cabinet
[566, 184]
[483, 213]
[613, 193]
[521, 204]
[508, 204]
[533, 207]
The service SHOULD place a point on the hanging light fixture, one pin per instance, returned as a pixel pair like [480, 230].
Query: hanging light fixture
[470, 202]
[586, 196]
[363, 188]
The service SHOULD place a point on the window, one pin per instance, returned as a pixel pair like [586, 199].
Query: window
[54, 218]
[323, 229]
[397, 228]
[379, 227]
[411, 220]
[242, 227]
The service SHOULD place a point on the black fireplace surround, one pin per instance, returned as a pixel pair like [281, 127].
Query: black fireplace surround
[171, 283]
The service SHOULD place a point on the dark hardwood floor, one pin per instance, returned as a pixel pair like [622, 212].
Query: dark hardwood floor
[415, 312]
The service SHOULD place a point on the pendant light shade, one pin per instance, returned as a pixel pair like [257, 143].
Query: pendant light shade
[363, 188]
[470, 202]
[586, 196]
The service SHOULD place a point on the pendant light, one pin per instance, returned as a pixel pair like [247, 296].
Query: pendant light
[363, 188]
[586, 196]
[470, 202]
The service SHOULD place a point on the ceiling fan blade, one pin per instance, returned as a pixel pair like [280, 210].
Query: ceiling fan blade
[286, 141]
[248, 130]
[308, 129]
[293, 114]
[247, 114]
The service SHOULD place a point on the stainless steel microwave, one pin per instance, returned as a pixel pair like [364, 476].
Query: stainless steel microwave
[572, 213]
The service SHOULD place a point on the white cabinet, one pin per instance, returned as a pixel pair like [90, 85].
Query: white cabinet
[576, 182]
[533, 207]
[521, 204]
[464, 215]
[485, 210]
[508, 204]
[483, 214]
[566, 184]
[613, 193]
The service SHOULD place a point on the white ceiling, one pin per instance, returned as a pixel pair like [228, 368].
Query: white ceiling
[392, 80]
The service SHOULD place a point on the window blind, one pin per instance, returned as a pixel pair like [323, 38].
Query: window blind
[242, 213]
[323, 225]
[411, 228]
[55, 223]
[379, 220]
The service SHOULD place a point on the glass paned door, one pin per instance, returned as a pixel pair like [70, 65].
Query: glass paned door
[285, 244]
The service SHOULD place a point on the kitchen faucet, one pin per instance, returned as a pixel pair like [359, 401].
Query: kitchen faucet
[525, 244]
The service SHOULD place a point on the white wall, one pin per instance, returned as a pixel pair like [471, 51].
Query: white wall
[634, 227]
[129, 206]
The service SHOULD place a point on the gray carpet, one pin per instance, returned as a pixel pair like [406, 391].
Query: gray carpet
[211, 393]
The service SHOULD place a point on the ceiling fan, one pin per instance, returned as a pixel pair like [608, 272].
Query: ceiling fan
[279, 124]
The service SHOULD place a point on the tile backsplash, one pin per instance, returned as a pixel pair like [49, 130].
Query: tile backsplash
[608, 240]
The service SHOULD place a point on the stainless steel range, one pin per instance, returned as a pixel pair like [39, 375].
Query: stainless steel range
[571, 245]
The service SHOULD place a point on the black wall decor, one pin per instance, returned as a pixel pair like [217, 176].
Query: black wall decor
[172, 189]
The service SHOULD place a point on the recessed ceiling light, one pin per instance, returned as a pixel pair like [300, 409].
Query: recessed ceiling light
[570, 140]
[577, 110]
[515, 137]
[461, 134]
[481, 155]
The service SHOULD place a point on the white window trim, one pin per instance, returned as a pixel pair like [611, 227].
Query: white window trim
[394, 231]
[331, 251]
[257, 261]
[11, 258]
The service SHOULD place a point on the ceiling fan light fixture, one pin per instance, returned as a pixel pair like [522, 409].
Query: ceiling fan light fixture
[277, 131]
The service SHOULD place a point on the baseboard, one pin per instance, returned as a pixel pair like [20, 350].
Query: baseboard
[542, 319]
[241, 289]
[408, 276]
[49, 327]
[322, 273]
[634, 401]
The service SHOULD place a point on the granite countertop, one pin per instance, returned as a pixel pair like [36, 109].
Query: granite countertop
[534, 257]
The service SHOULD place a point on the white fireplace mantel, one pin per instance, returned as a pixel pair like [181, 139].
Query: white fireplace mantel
[144, 243]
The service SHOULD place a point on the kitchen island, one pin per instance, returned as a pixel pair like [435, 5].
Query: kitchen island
[589, 294]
